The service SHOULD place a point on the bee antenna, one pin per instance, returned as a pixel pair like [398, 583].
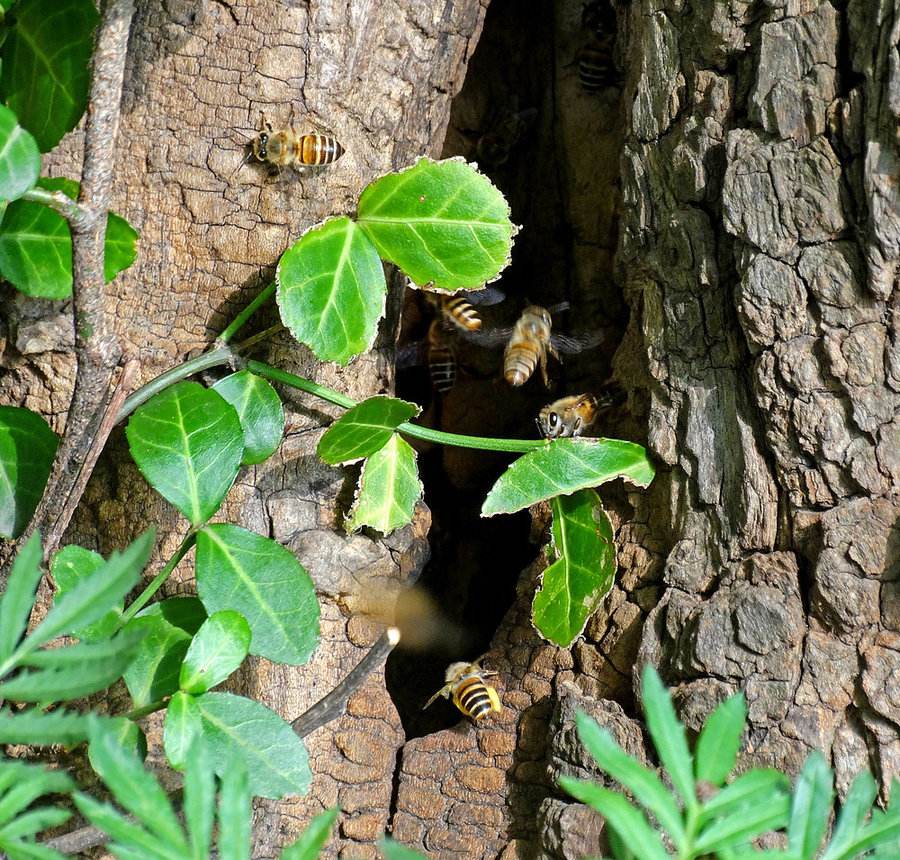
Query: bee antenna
[244, 160]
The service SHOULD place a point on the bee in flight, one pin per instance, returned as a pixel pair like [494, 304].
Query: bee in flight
[569, 416]
[289, 148]
[459, 311]
[441, 356]
[468, 690]
[530, 340]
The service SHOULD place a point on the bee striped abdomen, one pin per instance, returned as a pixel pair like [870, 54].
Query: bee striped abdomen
[471, 696]
[461, 313]
[519, 362]
[441, 359]
[314, 150]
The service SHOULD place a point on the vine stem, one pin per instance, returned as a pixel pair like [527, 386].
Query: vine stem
[238, 322]
[70, 209]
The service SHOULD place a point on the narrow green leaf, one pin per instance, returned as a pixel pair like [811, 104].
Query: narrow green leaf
[331, 290]
[39, 728]
[16, 850]
[395, 851]
[389, 488]
[883, 832]
[188, 443]
[260, 412]
[45, 73]
[93, 597]
[743, 825]
[22, 784]
[69, 566]
[441, 222]
[134, 788]
[668, 735]
[27, 449]
[720, 740]
[18, 599]
[564, 466]
[20, 161]
[756, 787]
[583, 573]
[199, 801]
[235, 727]
[127, 735]
[630, 823]
[364, 429]
[853, 814]
[168, 627]
[810, 807]
[72, 672]
[182, 726]
[36, 246]
[234, 812]
[33, 822]
[119, 246]
[217, 649]
[313, 839]
[644, 784]
[256, 576]
[127, 836]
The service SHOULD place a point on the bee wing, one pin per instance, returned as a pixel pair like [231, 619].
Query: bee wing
[485, 297]
[442, 692]
[488, 338]
[569, 343]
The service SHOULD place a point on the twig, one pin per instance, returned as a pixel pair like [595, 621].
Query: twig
[332, 704]
[70, 209]
[97, 349]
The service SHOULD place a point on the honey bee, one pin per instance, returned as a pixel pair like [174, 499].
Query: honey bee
[441, 356]
[288, 148]
[468, 690]
[568, 416]
[596, 66]
[459, 310]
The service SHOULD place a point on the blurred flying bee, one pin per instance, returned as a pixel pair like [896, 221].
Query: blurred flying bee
[494, 146]
[529, 342]
[289, 148]
[568, 416]
[441, 356]
[468, 690]
[596, 66]
[458, 309]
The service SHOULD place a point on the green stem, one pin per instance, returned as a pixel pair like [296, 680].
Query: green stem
[161, 577]
[238, 322]
[139, 713]
[482, 443]
[56, 200]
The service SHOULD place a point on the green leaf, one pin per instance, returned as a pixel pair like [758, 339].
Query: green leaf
[39, 728]
[810, 807]
[217, 649]
[134, 788]
[92, 598]
[235, 727]
[72, 672]
[744, 825]
[36, 246]
[45, 74]
[364, 429]
[256, 576]
[583, 573]
[27, 449]
[720, 740]
[199, 801]
[389, 488]
[754, 788]
[331, 290]
[181, 728]
[313, 839]
[169, 627]
[130, 839]
[644, 784]
[628, 822]
[18, 599]
[853, 813]
[441, 222]
[20, 161]
[260, 412]
[20, 785]
[188, 443]
[395, 851]
[883, 832]
[668, 735]
[119, 246]
[234, 813]
[69, 566]
[564, 466]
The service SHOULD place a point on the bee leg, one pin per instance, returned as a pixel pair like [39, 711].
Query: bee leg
[273, 171]
[543, 362]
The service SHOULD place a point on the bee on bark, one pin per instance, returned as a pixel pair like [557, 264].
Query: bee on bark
[466, 687]
[441, 356]
[568, 416]
[288, 148]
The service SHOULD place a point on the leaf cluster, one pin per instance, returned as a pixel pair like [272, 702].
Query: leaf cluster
[664, 821]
